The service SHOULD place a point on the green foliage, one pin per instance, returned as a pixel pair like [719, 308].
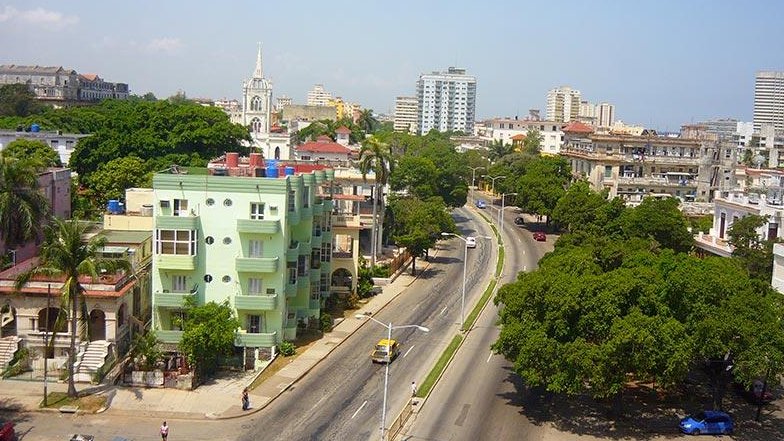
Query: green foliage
[35, 151]
[19, 363]
[208, 334]
[145, 352]
[23, 207]
[325, 322]
[327, 127]
[113, 177]
[661, 220]
[542, 185]
[418, 224]
[287, 349]
[532, 144]
[498, 149]
[754, 252]
[578, 208]
[701, 224]
[19, 100]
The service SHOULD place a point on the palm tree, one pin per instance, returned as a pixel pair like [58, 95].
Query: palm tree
[497, 150]
[375, 156]
[68, 254]
[23, 206]
[366, 121]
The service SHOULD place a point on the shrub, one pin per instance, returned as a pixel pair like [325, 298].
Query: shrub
[326, 322]
[288, 349]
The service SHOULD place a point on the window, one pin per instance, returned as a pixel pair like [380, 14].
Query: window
[180, 207]
[254, 324]
[226, 279]
[306, 197]
[210, 202]
[207, 278]
[315, 294]
[177, 242]
[302, 265]
[255, 248]
[291, 268]
[343, 246]
[178, 284]
[326, 251]
[317, 221]
[256, 210]
[227, 202]
[254, 286]
[607, 171]
[324, 282]
[315, 258]
[227, 240]
[209, 240]
[292, 202]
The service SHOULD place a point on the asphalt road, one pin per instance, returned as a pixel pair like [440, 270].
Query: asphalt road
[478, 396]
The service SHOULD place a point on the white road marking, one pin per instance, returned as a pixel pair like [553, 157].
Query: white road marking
[489, 357]
[360, 408]
[409, 350]
[442, 311]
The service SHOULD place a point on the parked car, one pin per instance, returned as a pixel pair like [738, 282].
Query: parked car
[481, 204]
[711, 422]
[753, 393]
[78, 437]
[471, 242]
[519, 220]
[7, 432]
[385, 351]
[539, 236]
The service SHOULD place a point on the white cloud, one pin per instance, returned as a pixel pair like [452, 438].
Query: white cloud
[165, 44]
[40, 17]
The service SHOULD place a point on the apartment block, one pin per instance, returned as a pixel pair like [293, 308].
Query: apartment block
[446, 101]
[504, 129]
[769, 99]
[406, 114]
[563, 104]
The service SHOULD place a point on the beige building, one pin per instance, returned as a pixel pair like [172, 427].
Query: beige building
[406, 114]
[563, 104]
[317, 96]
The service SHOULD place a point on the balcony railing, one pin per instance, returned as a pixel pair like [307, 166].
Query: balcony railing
[176, 262]
[256, 264]
[346, 221]
[256, 340]
[168, 336]
[261, 226]
[256, 302]
[177, 222]
[170, 299]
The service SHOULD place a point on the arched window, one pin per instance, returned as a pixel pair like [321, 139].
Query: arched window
[255, 104]
[47, 321]
[277, 152]
[255, 125]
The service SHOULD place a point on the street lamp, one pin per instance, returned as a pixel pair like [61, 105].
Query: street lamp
[473, 180]
[389, 327]
[465, 264]
[492, 179]
[501, 213]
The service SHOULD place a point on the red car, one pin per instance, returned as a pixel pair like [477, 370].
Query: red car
[7, 431]
[539, 236]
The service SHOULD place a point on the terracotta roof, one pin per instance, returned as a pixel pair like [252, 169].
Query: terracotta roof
[323, 145]
[90, 76]
[577, 127]
[518, 137]
[348, 197]
[343, 130]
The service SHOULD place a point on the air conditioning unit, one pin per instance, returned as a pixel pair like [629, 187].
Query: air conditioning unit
[164, 204]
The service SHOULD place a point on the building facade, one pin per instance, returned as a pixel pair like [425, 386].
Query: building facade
[769, 99]
[262, 243]
[446, 101]
[61, 86]
[563, 104]
[63, 143]
[605, 114]
[405, 114]
[317, 96]
[504, 129]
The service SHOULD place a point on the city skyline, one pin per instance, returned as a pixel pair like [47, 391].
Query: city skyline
[661, 64]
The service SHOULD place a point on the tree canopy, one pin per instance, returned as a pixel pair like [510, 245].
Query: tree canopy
[18, 100]
[36, 151]
[23, 207]
[112, 178]
[208, 333]
[418, 224]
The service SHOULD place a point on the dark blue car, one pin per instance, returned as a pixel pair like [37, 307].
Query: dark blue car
[710, 422]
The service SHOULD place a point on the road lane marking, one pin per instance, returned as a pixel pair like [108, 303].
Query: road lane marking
[360, 408]
[409, 350]
[442, 311]
[489, 357]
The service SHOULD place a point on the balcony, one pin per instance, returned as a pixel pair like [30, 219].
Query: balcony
[256, 340]
[170, 299]
[256, 302]
[346, 221]
[177, 222]
[166, 336]
[291, 290]
[256, 264]
[258, 226]
[293, 252]
[306, 212]
[175, 262]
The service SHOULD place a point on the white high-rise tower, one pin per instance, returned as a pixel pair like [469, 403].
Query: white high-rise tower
[446, 101]
[769, 99]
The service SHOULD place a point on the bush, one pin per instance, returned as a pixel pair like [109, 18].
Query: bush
[19, 364]
[381, 270]
[288, 349]
[326, 322]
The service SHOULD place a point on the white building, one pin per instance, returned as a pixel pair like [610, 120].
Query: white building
[605, 114]
[446, 101]
[406, 114]
[282, 101]
[503, 129]
[563, 104]
[318, 96]
[769, 99]
[62, 143]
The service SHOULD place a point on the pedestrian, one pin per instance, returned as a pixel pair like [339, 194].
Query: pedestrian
[413, 388]
[245, 399]
[164, 431]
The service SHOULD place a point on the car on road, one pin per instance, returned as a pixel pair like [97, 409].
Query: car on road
[7, 432]
[385, 351]
[708, 422]
[519, 220]
[481, 204]
[753, 393]
[471, 242]
[539, 236]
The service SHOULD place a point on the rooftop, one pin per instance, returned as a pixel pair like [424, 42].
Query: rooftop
[124, 236]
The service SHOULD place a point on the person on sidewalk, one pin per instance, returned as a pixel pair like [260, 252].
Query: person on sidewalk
[245, 399]
[164, 431]
[413, 389]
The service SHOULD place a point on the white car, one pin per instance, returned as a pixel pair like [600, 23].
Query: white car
[470, 242]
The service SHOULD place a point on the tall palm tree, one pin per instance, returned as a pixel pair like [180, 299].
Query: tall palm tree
[375, 156]
[69, 254]
[23, 206]
[366, 121]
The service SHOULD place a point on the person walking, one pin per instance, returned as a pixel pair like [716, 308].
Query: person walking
[164, 431]
[245, 399]
[413, 388]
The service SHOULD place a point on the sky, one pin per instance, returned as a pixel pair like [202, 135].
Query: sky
[661, 63]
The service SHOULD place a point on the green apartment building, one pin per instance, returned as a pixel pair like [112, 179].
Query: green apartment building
[257, 235]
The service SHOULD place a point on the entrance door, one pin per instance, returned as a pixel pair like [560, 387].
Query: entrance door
[7, 321]
[97, 325]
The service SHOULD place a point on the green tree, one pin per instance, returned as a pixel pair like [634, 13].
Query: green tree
[498, 149]
[578, 208]
[532, 144]
[18, 100]
[367, 122]
[753, 250]
[36, 151]
[208, 333]
[417, 175]
[23, 207]
[112, 178]
[375, 157]
[542, 185]
[67, 253]
[659, 219]
[418, 224]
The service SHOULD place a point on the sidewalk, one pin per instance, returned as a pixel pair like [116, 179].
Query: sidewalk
[220, 398]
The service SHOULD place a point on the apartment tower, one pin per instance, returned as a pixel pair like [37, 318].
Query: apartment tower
[446, 101]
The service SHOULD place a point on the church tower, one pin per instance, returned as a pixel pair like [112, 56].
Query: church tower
[257, 102]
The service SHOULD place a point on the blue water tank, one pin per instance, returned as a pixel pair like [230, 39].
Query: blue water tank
[289, 171]
[113, 206]
[272, 163]
[272, 171]
[35, 128]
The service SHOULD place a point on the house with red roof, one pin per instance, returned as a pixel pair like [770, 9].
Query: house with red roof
[342, 136]
[323, 149]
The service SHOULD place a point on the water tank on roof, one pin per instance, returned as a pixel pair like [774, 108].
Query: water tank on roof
[272, 163]
[146, 210]
[35, 128]
[272, 171]
[113, 206]
[289, 171]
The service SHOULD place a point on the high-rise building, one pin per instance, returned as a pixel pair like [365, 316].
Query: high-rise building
[769, 99]
[563, 104]
[605, 114]
[317, 96]
[405, 114]
[446, 101]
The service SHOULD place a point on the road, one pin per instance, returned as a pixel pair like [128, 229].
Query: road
[478, 396]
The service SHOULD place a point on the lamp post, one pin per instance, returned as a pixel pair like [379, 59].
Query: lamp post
[46, 346]
[465, 264]
[492, 180]
[389, 327]
[473, 180]
[501, 213]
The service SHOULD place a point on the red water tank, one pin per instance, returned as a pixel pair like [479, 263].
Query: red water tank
[232, 159]
[256, 160]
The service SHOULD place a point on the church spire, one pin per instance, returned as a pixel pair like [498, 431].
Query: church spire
[258, 72]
